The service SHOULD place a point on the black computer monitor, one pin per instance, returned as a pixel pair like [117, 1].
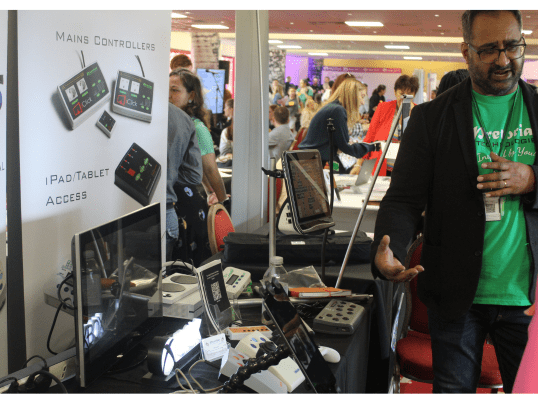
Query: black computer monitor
[117, 289]
[213, 84]
[307, 193]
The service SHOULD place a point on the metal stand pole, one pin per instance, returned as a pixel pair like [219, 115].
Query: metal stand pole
[272, 211]
[370, 189]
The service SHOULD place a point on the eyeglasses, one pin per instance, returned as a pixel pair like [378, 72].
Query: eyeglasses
[489, 56]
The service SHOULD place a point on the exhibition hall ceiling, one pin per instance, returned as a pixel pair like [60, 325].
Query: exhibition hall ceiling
[432, 35]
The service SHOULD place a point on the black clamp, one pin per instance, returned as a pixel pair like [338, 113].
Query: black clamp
[275, 174]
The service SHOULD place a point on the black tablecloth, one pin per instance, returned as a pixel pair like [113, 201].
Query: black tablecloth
[359, 279]
[350, 372]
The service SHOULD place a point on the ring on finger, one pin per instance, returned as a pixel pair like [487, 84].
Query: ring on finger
[505, 184]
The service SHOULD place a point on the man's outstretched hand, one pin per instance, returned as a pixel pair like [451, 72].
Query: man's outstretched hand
[390, 267]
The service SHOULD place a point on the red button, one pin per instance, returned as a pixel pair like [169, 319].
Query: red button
[131, 172]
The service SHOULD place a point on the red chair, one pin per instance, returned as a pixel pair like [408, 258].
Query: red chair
[219, 224]
[414, 350]
[299, 138]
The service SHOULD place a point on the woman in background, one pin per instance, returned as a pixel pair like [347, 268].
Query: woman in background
[227, 137]
[277, 93]
[382, 121]
[377, 96]
[343, 108]
[308, 113]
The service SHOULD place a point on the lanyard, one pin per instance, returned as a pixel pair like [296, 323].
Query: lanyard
[483, 127]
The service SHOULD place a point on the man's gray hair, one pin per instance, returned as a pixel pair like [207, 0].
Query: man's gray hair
[468, 17]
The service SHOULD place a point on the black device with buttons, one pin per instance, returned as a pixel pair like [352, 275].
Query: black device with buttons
[338, 317]
[83, 94]
[106, 123]
[137, 174]
[133, 96]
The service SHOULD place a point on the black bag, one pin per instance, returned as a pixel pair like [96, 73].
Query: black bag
[296, 249]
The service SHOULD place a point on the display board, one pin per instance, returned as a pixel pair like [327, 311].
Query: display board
[78, 69]
[3, 280]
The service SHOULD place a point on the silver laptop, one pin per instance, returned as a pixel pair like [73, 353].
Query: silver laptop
[366, 172]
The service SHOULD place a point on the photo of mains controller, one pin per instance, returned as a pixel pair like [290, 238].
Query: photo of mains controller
[83, 94]
[87, 91]
[133, 96]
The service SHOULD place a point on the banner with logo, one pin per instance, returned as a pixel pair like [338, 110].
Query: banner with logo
[93, 95]
[3, 282]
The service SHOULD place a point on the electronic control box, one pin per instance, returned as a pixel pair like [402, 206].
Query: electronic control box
[83, 94]
[138, 174]
[133, 96]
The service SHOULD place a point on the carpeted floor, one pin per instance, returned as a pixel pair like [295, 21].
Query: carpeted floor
[411, 387]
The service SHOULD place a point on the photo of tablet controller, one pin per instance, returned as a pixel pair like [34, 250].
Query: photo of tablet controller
[138, 174]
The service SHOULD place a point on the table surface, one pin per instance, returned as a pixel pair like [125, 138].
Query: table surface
[350, 375]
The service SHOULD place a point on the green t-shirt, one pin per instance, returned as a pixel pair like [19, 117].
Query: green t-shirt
[205, 141]
[506, 260]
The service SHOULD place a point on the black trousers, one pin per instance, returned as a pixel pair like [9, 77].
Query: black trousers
[191, 208]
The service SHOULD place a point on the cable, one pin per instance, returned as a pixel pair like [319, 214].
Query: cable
[35, 356]
[48, 374]
[141, 68]
[195, 381]
[330, 131]
[83, 61]
[52, 327]
[181, 385]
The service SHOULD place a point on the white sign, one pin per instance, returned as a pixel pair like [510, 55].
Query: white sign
[69, 61]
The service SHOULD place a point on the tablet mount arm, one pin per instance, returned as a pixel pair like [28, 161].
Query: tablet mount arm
[406, 102]
[330, 133]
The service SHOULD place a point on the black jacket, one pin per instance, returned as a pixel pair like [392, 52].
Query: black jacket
[436, 170]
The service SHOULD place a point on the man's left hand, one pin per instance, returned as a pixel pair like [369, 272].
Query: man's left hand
[510, 177]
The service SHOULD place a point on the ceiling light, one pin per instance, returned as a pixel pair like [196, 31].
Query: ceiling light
[176, 15]
[439, 26]
[289, 46]
[275, 41]
[526, 32]
[396, 47]
[413, 57]
[437, 15]
[187, 12]
[291, 23]
[318, 53]
[363, 24]
[209, 26]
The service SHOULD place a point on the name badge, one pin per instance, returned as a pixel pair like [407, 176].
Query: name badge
[291, 103]
[492, 206]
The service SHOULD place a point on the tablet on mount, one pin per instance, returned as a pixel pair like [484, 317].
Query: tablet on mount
[306, 209]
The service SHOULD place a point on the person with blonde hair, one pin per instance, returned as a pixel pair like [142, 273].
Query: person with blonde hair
[310, 109]
[277, 92]
[343, 108]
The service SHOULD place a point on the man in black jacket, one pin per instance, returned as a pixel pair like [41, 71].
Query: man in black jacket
[468, 159]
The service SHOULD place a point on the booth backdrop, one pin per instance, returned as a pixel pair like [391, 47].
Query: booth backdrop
[67, 176]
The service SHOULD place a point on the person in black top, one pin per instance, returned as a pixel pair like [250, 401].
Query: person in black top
[343, 108]
[377, 96]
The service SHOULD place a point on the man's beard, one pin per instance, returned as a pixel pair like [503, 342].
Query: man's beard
[491, 87]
